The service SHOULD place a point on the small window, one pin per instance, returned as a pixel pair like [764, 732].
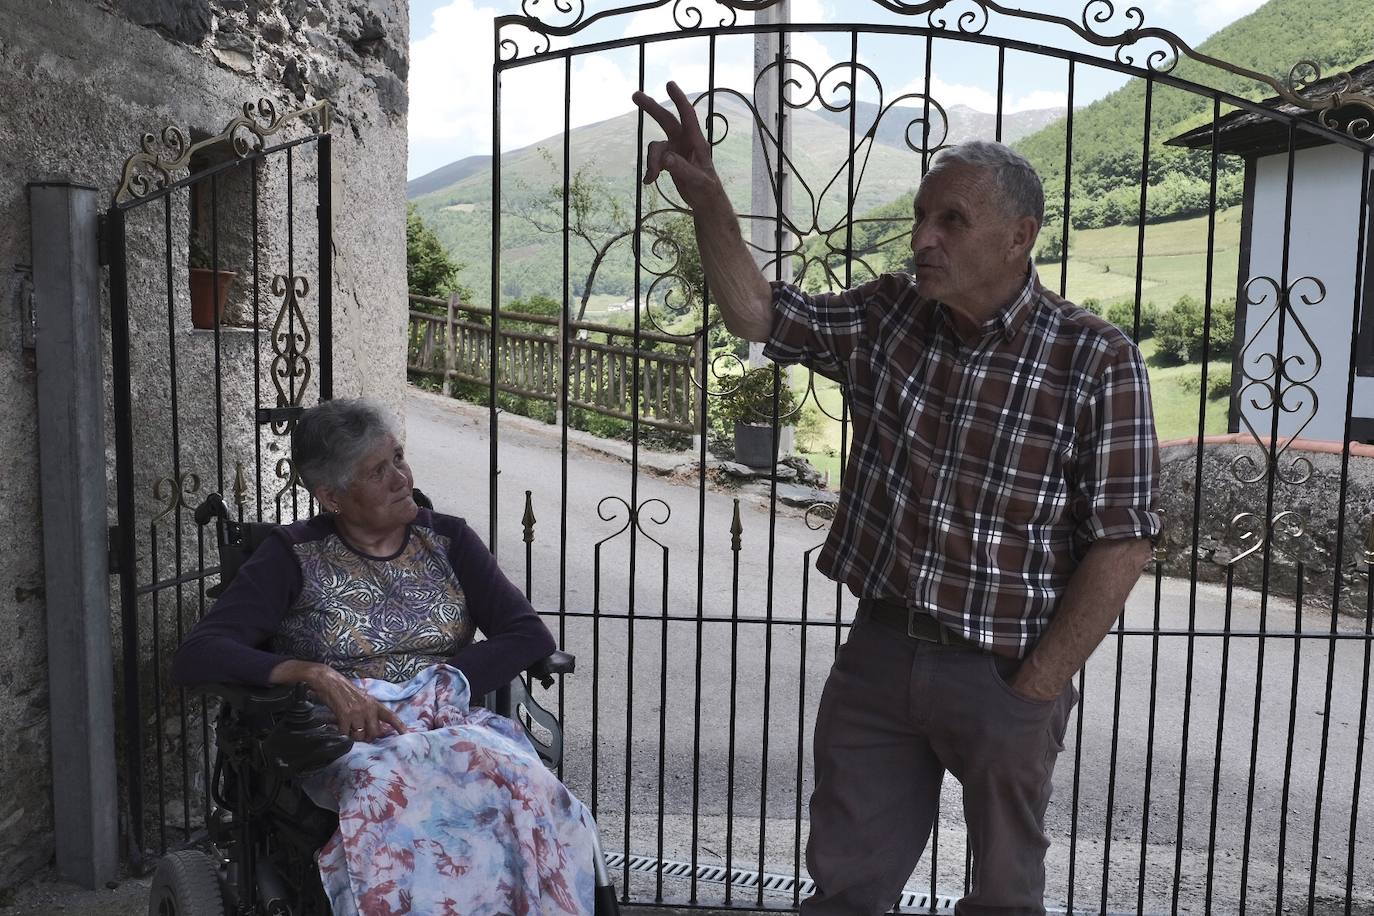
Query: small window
[220, 236]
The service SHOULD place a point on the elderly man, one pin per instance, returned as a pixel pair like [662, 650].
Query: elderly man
[996, 511]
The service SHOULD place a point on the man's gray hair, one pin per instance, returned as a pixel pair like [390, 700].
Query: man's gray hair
[1022, 194]
[333, 436]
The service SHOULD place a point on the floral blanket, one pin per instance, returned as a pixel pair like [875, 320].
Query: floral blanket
[458, 816]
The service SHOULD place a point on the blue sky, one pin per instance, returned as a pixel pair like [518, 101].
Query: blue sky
[451, 60]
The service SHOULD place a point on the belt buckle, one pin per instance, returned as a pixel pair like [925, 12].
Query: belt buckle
[912, 615]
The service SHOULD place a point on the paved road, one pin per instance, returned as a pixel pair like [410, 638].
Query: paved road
[664, 690]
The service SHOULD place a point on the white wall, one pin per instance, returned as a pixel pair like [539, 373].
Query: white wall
[1323, 244]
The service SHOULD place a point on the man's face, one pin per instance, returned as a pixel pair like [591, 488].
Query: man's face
[967, 249]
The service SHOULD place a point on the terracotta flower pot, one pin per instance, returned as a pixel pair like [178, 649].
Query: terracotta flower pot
[209, 292]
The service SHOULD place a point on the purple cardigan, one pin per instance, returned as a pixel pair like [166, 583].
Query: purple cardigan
[288, 599]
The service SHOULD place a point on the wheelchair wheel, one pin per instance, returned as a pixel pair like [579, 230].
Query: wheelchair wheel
[186, 883]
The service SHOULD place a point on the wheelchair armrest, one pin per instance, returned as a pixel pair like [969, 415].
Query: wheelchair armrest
[295, 734]
[252, 701]
[556, 663]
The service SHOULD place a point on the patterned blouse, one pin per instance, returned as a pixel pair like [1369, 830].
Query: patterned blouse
[307, 594]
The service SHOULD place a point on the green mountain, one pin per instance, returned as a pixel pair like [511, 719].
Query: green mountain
[1108, 136]
[459, 211]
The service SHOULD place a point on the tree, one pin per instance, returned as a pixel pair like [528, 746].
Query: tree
[430, 271]
[600, 221]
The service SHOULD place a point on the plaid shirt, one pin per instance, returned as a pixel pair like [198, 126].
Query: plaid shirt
[978, 475]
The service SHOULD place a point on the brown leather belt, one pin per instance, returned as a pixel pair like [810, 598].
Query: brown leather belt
[914, 622]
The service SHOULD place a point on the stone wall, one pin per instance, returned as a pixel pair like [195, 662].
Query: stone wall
[1307, 485]
[81, 81]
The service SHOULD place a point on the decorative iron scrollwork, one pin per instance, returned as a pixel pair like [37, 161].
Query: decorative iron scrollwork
[291, 343]
[171, 492]
[1273, 384]
[1120, 32]
[809, 217]
[151, 168]
[290, 477]
[1253, 532]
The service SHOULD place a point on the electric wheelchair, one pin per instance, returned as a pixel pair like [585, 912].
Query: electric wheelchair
[263, 829]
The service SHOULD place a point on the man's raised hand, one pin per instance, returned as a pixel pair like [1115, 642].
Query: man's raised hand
[684, 155]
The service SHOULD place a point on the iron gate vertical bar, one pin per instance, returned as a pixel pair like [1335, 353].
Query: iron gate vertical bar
[1063, 292]
[1150, 734]
[1193, 557]
[634, 479]
[565, 351]
[1067, 217]
[1364, 709]
[1221, 734]
[703, 407]
[1154, 650]
[1292, 729]
[124, 501]
[736, 533]
[1001, 88]
[290, 312]
[175, 440]
[1270, 483]
[324, 294]
[257, 346]
[1360, 280]
[779, 201]
[496, 295]
[219, 367]
[177, 478]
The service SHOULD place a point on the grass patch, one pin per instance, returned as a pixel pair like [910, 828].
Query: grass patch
[1102, 262]
[1175, 391]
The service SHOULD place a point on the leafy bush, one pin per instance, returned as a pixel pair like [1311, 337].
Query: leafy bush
[1219, 385]
[1122, 314]
[751, 400]
[1181, 331]
[1051, 245]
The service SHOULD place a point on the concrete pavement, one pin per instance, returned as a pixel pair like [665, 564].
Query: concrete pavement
[722, 705]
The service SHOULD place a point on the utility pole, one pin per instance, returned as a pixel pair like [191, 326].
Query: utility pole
[766, 230]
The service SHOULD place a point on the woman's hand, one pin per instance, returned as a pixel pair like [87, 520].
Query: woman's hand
[356, 714]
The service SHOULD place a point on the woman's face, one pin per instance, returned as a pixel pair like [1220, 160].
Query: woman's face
[379, 496]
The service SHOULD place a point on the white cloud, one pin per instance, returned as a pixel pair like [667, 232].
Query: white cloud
[1217, 13]
[451, 88]
[985, 100]
[1039, 98]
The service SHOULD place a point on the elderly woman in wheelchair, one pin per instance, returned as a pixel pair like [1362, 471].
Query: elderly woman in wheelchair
[373, 605]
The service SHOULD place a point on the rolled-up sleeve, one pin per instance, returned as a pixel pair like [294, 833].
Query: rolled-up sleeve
[1118, 454]
[818, 331]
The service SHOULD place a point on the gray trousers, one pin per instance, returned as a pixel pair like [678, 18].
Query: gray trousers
[896, 713]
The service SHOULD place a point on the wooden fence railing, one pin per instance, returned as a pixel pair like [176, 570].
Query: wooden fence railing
[600, 375]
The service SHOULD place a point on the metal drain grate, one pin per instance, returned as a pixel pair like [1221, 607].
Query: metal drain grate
[743, 878]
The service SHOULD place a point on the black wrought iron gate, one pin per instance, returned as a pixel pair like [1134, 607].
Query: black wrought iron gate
[220, 330]
[1217, 758]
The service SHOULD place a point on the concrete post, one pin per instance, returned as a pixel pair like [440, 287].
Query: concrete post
[71, 441]
[766, 231]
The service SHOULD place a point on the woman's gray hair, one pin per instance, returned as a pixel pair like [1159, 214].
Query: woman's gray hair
[1022, 194]
[333, 436]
